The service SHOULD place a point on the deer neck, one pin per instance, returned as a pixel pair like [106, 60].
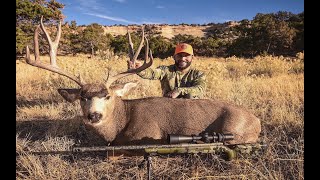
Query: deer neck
[119, 114]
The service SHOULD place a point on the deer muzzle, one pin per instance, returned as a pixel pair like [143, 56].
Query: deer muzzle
[94, 117]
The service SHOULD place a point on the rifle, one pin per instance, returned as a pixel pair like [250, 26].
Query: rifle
[178, 144]
[184, 144]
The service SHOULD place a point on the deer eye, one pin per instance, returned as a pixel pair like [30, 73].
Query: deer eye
[107, 97]
[83, 98]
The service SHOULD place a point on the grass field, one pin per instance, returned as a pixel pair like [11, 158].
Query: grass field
[271, 87]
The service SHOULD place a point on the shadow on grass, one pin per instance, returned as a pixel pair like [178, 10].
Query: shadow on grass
[36, 130]
[20, 102]
[39, 130]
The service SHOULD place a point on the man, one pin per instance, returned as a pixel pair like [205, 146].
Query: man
[178, 80]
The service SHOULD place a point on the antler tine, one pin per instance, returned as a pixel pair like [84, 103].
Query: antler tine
[146, 51]
[140, 46]
[53, 45]
[36, 45]
[53, 54]
[133, 56]
[141, 68]
[145, 64]
[131, 51]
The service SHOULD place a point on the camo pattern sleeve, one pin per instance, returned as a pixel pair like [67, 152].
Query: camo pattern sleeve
[194, 84]
[153, 74]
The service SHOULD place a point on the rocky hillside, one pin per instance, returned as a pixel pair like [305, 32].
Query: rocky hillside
[170, 31]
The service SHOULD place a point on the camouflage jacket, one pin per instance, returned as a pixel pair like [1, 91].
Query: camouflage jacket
[191, 84]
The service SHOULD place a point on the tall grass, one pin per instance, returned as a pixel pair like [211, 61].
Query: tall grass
[271, 87]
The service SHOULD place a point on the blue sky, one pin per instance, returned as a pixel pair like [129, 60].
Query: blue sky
[111, 12]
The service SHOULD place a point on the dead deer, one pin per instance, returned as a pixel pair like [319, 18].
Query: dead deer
[146, 120]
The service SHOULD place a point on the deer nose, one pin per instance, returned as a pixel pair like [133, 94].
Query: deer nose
[94, 117]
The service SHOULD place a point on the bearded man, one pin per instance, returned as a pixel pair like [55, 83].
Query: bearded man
[178, 80]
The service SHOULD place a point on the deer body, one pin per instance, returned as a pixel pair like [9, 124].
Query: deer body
[146, 120]
[129, 123]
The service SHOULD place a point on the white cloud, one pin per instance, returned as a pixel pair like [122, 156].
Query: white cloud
[112, 18]
[117, 19]
[160, 7]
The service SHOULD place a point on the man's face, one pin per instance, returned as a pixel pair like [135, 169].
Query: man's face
[182, 60]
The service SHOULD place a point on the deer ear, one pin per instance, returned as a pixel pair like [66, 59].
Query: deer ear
[70, 95]
[123, 89]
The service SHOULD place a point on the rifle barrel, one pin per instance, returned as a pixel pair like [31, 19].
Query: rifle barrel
[141, 147]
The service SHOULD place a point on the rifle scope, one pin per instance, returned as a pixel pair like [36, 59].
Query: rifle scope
[215, 137]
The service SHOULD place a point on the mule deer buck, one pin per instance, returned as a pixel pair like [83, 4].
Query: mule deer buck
[146, 120]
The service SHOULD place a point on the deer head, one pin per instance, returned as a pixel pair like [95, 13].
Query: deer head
[96, 100]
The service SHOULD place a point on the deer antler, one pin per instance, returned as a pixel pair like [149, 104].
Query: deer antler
[131, 70]
[52, 52]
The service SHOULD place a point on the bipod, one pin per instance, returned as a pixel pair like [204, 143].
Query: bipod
[146, 158]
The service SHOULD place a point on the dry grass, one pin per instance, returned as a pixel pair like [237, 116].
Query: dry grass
[271, 87]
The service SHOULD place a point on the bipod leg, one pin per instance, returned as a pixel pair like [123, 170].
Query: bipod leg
[141, 165]
[147, 158]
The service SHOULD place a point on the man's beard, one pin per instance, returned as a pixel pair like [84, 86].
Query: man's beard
[181, 65]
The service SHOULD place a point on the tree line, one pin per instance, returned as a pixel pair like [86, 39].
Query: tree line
[280, 33]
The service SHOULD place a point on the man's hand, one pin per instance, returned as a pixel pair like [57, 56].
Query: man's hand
[173, 94]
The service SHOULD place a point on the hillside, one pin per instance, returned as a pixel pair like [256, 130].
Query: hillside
[170, 31]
